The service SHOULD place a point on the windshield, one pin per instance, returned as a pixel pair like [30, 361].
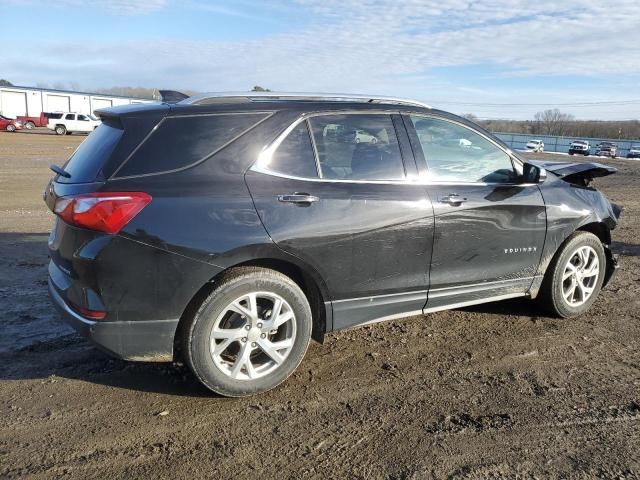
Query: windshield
[92, 117]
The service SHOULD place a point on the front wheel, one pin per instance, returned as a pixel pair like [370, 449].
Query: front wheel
[61, 130]
[574, 277]
[11, 128]
[250, 333]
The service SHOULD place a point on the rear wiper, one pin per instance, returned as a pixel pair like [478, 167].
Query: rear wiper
[60, 171]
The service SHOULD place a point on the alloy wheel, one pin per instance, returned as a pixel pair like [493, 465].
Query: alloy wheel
[253, 335]
[580, 276]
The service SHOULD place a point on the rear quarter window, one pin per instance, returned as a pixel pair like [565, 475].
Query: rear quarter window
[86, 162]
[180, 142]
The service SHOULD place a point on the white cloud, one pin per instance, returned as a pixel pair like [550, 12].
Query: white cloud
[375, 46]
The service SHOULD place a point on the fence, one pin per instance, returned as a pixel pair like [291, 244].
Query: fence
[518, 141]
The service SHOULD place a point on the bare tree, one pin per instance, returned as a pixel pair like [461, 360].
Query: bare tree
[552, 122]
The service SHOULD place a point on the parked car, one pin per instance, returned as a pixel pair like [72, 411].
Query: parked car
[9, 124]
[66, 123]
[535, 146]
[580, 147]
[31, 122]
[607, 149]
[634, 151]
[366, 137]
[227, 231]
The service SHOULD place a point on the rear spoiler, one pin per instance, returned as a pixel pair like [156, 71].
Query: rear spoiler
[171, 96]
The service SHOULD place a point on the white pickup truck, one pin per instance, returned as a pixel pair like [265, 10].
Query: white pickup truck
[66, 123]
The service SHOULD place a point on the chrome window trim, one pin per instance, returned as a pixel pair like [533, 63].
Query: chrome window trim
[264, 157]
[507, 151]
[267, 151]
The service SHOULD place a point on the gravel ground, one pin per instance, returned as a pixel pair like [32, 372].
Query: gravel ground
[496, 390]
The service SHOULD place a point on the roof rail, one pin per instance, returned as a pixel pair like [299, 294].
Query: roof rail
[225, 97]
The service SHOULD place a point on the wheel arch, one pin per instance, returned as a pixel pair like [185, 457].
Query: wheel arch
[303, 275]
[599, 229]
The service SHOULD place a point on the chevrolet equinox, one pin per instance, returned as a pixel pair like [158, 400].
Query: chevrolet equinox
[227, 230]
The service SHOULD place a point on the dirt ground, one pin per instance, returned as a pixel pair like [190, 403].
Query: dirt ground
[494, 391]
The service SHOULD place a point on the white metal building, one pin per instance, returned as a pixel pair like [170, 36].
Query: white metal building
[32, 101]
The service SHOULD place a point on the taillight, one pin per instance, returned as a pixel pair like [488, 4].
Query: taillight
[104, 211]
[90, 314]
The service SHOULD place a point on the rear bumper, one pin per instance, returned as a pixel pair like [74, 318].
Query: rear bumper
[143, 341]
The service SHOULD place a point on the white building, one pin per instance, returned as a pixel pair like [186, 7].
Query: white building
[32, 101]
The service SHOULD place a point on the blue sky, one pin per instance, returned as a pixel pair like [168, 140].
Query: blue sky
[494, 58]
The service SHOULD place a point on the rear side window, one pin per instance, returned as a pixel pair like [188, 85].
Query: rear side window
[180, 142]
[294, 155]
[70, 116]
[357, 147]
[55, 116]
[86, 162]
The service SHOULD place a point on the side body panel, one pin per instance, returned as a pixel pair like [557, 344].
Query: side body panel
[366, 240]
[489, 246]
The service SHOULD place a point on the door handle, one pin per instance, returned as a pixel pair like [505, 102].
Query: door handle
[300, 198]
[453, 199]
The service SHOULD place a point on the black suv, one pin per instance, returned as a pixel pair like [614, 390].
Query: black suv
[227, 231]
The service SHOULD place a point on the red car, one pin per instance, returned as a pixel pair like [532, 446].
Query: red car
[9, 124]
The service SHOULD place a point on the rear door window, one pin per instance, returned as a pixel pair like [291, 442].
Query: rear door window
[86, 162]
[70, 116]
[294, 155]
[180, 142]
[357, 147]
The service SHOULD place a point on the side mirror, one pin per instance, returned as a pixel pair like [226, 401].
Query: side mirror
[533, 174]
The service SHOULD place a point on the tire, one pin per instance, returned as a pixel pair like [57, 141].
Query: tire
[225, 372]
[374, 140]
[554, 288]
[69, 133]
[30, 125]
[11, 128]
[586, 154]
[60, 130]
[571, 153]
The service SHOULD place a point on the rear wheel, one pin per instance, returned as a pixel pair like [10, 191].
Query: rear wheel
[574, 277]
[61, 130]
[250, 333]
[30, 125]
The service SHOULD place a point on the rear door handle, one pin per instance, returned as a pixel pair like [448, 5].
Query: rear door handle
[302, 198]
[453, 199]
